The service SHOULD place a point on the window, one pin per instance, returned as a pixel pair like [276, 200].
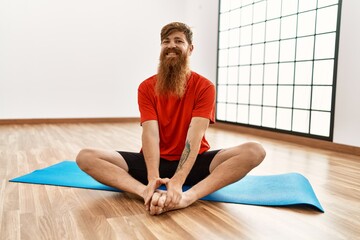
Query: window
[277, 64]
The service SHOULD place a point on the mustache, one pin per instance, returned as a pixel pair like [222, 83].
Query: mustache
[171, 50]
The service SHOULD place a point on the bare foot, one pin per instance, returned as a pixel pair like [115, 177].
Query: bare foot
[157, 205]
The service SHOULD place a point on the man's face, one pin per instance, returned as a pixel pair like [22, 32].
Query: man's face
[174, 46]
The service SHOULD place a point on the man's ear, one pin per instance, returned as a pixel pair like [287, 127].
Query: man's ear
[191, 48]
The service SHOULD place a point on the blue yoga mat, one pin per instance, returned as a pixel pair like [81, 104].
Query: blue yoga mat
[271, 190]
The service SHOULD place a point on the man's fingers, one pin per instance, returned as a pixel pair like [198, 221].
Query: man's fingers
[162, 199]
[168, 200]
[148, 198]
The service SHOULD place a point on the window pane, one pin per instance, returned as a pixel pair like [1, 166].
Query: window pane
[323, 3]
[269, 117]
[232, 94]
[243, 94]
[257, 55]
[246, 15]
[283, 119]
[221, 111]
[287, 50]
[257, 74]
[320, 123]
[285, 94]
[325, 46]
[303, 72]
[305, 48]
[326, 19]
[259, 11]
[301, 121]
[270, 74]
[323, 72]
[235, 4]
[244, 75]
[246, 2]
[245, 55]
[305, 5]
[306, 23]
[233, 75]
[221, 93]
[234, 18]
[302, 96]
[243, 114]
[234, 37]
[289, 7]
[273, 9]
[321, 98]
[288, 27]
[223, 39]
[258, 32]
[245, 35]
[271, 52]
[224, 5]
[224, 21]
[255, 115]
[256, 95]
[231, 112]
[233, 56]
[222, 75]
[223, 57]
[273, 30]
[286, 73]
[270, 93]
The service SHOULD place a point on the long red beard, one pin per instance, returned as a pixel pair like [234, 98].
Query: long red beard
[172, 74]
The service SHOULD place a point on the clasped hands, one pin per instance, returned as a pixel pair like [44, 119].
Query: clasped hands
[158, 201]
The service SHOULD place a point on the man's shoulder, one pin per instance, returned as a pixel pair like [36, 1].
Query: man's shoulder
[200, 79]
[148, 82]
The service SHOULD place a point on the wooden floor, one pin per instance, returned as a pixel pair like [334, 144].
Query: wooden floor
[49, 212]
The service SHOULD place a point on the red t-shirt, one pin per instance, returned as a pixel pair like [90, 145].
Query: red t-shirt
[174, 114]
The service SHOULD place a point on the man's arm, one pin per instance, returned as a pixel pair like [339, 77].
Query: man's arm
[196, 131]
[150, 147]
[151, 151]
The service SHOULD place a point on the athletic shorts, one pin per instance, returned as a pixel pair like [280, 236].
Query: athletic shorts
[167, 169]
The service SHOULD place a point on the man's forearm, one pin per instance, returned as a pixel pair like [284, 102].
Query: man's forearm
[186, 162]
[188, 157]
[152, 158]
[150, 148]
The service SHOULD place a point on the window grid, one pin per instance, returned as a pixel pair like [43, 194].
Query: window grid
[283, 111]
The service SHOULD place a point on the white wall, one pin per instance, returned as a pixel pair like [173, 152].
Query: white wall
[85, 58]
[347, 110]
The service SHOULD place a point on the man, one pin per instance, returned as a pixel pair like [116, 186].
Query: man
[176, 106]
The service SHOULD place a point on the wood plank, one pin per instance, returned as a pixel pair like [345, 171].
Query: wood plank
[30, 211]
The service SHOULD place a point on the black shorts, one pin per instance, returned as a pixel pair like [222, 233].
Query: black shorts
[200, 170]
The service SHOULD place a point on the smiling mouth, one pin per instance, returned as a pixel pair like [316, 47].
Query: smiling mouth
[171, 54]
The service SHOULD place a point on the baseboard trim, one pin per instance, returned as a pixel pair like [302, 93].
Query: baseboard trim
[68, 120]
[310, 142]
[316, 143]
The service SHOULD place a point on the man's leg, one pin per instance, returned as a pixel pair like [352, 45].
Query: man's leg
[228, 166]
[109, 168]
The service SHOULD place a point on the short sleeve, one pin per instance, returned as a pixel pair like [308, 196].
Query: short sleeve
[146, 102]
[205, 103]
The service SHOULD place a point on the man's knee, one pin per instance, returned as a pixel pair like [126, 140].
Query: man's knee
[256, 151]
[84, 157]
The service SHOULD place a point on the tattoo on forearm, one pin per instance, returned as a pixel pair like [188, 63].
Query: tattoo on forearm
[184, 155]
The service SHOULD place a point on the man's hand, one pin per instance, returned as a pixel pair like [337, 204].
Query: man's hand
[150, 189]
[174, 193]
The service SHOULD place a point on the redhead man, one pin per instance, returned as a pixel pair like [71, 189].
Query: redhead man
[176, 107]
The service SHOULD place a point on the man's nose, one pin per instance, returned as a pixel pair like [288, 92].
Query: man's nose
[172, 44]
